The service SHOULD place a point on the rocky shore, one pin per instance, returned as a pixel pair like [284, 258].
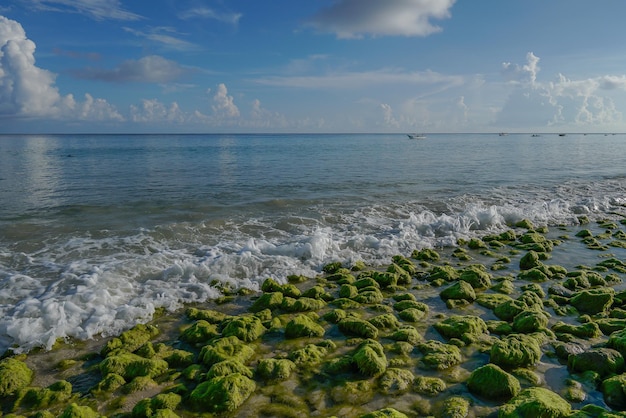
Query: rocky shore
[495, 328]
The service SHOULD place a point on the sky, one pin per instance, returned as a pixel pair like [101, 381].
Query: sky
[312, 66]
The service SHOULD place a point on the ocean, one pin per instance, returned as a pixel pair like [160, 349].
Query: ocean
[99, 231]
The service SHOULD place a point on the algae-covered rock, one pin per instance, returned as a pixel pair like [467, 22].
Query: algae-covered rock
[149, 408]
[516, 350]
[130, 365]
[109, 383]
[455, 407]
[529, 260]
[309, 355]
[536, 402]
[395, 381]
[614, 391]
[369, 296]
[14, 375]
[446, 273]
[200, 331]
[275, 369]
[408, 334]
[222, 394]
[477, 276]
[357, 392]
[403, 277]
[302, 304]
[530, 321]
[426, 254]
[411, 315]
[370, 358]
[270, 301]
[358, 327]
[429, 386]
[385, 321]
[58, 392]
[439, 356]
[408, 304]
[464, 327]
[246, 328]
[587, 330]
[131, 340]
[385, 413]
[227, 348]
[79, 411]
[593, 301]
[491, 382]
[226, 367]
[460, 290]
[303, 326]
[209, 315]
[528, 301]
[604, 361]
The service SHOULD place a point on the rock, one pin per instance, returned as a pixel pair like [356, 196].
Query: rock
[14, 375]
[130, 365]
[275, 369]
[227, 348]
[270, 301]
[407, 333]
[226, 367]
[604, 361]
[491, 382]
[530, 321]
[515, 350]
[439, 356]
[148, 408]
[385, 413]
[130, 340]
[614, 391]
[459, 290]
[358, 327]
[477, 276]
[455, 407]
[303, 326]
[536, 402]
[588, 330]
[385, 321]
[593, 301]
[222, 394]
[429, 386]
[78, 411]
[396, 381]
[200, 331]
[529, 261]
[309, 355]
[464, 327]
[370, 358]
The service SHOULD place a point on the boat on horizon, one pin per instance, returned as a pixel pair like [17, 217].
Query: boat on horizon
[416, 136]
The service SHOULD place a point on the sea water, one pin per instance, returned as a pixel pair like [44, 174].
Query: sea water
[98, 231]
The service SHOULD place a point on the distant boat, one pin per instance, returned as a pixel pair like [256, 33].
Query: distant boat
[535, 135]
[502, 134]
[561, 134]
[416, 136]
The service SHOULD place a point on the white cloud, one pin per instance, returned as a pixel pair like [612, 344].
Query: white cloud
[389, 119]
[224, 105]
[29, 91]
[526, 73]
[155, 111]
[95, 9]
[206, 13]
[345, 80]
[355, 18]
[164, 35]
[150, 69]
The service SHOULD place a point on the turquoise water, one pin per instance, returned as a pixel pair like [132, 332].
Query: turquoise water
[97, 231]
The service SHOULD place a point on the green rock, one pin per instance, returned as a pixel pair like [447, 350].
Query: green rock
[491, 382]
[303, 326]
[408, 303]
[429, 386]
[200, 331]
[403, 277]
[370, 358]
[447, 273]
[385, 321]
[369, 296]
[426, 254]
[455, 407]
[226, 367]
[515, 350]
[275, 369]
[528, 301]
[385, 413]
[407, 333]
[14, 375]
[110, 383]
[614, 391]
[348, 291]
[302, 304]
[464, 327]
[533, 275]
[147, 408]
[270, 301]
[396, 381]
[406, 264]
[222, 394]
[309, 355]
[588, 330]
[412, 315]
[78, 411]
[131, 340]
[333, 267]
[529, 260]
[460, 290]
[38, 398]
[357, 392]
[439, 356]
[477, 276]
[130, 365]
[530, 321]
[358, 327]
[317, 292]
[209, 315]
[139, 384]
[227, 348]
[525, 223]
[246, 328]
[593, 301]
[335, 316]
[179, 358]
[604, 361]
[537, 403]
[491, 300]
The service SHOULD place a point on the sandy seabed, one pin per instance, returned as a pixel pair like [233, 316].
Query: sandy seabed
[407, 335]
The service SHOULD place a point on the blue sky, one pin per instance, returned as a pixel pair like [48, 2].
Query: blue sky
[312, 66]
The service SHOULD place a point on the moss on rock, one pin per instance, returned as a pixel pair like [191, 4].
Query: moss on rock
[464, 327]
[358, 327]
[395, 381]
[516, 350]
[370, 358]
[130, 340]
[222, 394]
[275, 369]
[247, 328]
[227, 348]
[491, 382]
[439, 356]
[536, 402]
[14, 375]
[130, 365]
[200, 331]
[303, 326]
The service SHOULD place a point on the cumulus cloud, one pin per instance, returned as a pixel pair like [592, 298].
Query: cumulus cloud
[562, 101]
[389, 119]
[150, 69]
[223, 104]
[154, 111]
[29, 91]
[95, 9]
[356, 18]
[207, 13]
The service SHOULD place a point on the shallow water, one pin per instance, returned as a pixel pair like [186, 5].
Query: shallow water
[97, 231]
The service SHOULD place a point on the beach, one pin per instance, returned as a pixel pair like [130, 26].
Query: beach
[125, 259]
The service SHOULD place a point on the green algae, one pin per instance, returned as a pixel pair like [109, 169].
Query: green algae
[370, 358]
[516, 350]
[227, 348]
[130, 340]
[536, 402]
[14, 375]
[246, 328]
[358, 327]
[222, 394]
[275, 369]
[438, 355]
[491, 382]
[200, 331]
[130, 365]
[303, 326]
